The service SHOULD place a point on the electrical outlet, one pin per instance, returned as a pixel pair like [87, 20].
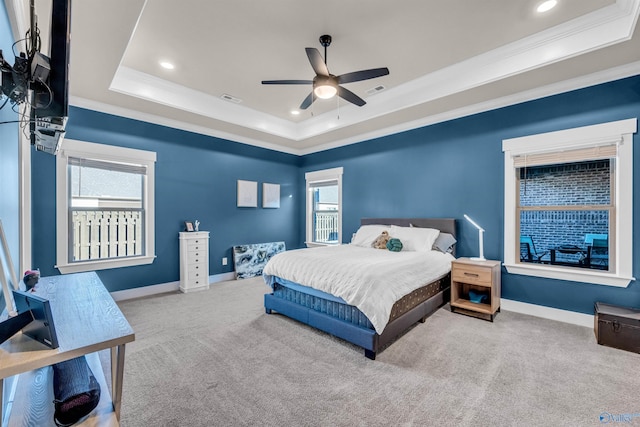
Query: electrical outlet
[224, 261]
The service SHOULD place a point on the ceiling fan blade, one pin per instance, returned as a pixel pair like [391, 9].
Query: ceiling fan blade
[317, 63]
[307, 101]
[350, 96]
[287, 82]
[357, 76]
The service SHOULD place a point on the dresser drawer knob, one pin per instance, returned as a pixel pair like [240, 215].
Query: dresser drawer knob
[466, 273]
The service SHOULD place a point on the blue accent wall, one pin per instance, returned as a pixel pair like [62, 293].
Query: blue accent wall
[443, 170]
[457, 167]
[196, 178]
[9, 196]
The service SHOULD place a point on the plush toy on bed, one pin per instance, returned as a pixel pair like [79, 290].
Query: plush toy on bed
[381, 241]
[394, 245]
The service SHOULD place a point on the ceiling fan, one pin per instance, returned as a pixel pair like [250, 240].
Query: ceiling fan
[325, 84]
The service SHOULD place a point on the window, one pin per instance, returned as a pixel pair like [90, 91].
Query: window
[324, 207]
[568, 212]
[105, 215]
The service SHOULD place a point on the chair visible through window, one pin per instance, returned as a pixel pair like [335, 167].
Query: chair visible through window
[597, 250]
[528, 251]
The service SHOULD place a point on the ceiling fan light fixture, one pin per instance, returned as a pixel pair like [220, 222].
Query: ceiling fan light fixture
[325, 91]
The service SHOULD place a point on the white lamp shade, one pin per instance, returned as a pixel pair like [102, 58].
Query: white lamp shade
[325, 91]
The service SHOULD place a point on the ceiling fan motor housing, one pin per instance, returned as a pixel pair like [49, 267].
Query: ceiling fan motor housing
[325, 40]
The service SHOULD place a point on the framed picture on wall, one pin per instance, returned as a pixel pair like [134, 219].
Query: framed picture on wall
[270, 195]
[247, 194]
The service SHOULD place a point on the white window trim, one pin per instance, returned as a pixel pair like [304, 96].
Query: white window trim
[72, 148]
[619, 132]
[316, 176]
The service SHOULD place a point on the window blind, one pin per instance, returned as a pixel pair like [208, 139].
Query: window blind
[568, 156]
[109, 166]
[318, 184]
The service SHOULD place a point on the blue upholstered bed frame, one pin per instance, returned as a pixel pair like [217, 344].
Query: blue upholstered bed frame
[361, 336]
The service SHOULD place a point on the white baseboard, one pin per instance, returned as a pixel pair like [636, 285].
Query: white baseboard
[145, 291]
[572, 317]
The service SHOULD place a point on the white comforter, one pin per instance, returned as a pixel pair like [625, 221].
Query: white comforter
[370, 279]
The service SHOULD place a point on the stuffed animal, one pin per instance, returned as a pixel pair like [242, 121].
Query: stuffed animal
[381, 241]
[394, 245]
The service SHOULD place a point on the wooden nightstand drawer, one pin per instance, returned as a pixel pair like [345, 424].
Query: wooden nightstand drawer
[475, 287]
[472, 275]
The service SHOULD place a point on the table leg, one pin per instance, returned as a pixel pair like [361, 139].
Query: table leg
[117, 375]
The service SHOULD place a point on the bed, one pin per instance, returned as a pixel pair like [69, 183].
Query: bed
[401, 297]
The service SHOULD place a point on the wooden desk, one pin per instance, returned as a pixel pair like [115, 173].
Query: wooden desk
[87, 320]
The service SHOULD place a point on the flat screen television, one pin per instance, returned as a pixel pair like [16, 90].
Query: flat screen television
[50, 99]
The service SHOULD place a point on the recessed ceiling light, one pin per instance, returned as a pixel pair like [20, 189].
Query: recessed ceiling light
[546, 6]
[168, 65]
[295, 112]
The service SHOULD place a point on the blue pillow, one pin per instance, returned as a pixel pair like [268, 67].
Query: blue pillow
[444, 243]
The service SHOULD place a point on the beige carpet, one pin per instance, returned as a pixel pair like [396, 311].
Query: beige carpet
[214, 358]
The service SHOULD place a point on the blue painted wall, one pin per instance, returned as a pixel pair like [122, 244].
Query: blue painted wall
[456, 167]
[9, 197]
[444, 170]
[196, 178]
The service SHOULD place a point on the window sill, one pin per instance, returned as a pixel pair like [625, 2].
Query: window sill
[78, 267]
[574, 275]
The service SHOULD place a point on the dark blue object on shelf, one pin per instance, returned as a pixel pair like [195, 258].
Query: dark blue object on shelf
[478, 297]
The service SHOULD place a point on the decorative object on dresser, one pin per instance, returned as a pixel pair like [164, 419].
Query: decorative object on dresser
[480, 257]
[247, 194]
[410, 284]
[194, 261]
[188, 226]
[617, 327]
[475, 287]
[249, 260]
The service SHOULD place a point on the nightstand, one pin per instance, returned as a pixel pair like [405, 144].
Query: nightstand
[475, 288]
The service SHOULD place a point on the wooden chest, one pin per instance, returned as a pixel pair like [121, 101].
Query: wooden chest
[617, 327]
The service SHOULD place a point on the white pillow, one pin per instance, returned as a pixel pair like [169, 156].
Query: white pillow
[415, 238]
[366, 234]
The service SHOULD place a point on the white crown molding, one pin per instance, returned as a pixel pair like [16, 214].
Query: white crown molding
[145, 86]
[612, 74]
[175, 124]
[581, 82]
[604, 27]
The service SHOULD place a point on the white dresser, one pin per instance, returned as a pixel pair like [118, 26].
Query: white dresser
[194, 261]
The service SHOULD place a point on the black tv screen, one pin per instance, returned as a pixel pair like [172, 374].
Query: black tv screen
[57, 104]
[50, 98]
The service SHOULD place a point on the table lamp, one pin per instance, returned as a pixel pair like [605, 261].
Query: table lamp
[480, 239]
